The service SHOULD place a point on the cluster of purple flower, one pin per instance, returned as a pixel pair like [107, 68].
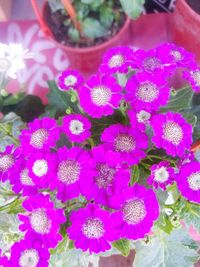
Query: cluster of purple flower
[112, 209]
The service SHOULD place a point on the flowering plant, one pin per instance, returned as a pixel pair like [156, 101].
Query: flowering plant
[108, 168]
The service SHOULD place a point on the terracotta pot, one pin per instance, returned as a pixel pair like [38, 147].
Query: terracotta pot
[185, 27]
[84, 59]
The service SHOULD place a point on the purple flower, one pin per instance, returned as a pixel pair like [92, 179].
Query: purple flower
[7, 162]
[42, 221]
[27, 253]
[76, 127]
[117, 59]
[172, 133]
[162, 175]
[21, 181]
[188, 181]
[137, 210]
[41, 134]
[70, 79]
[74, 173]
[153, 62]
[111, 175]
[147, 92]
[4, 262]
[91, 229]
[127, 141]
[41, 166]
[176, 55]
[193, 76]
[100, 96]
[139, 119]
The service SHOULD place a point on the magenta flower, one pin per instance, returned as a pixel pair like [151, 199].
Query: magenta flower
[70, 79]
[162, 175]
[100, 96]
[91, 229]
[188, 181]
[139, 119]
[41, 134]
[117, 59]
[7, 162]
[137, 210]
[27, 253]
[147, 92]
[42, 221]
[76, 127]
[193, 76]
[41, 166]
[21, 181]
[176, 55]
[127, 141]
[74, 173]
[153, 62]
[172, 133]
[4, 262]
[111, 175]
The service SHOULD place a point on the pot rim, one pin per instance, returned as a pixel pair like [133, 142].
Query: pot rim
[189, 8]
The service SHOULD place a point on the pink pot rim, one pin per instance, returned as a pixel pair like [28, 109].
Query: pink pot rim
[193, 13]
[102, 46]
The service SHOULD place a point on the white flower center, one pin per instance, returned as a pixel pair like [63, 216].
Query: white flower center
[173, 133]
[101, 95]
[161, 175]
[6, 161]
[116, 61]
[40, 222]
[105, 175]
[151, 63]
[4, 64]
[147, 92]
[68, 171]
[194, 181]
[38, 138]
[93, 228]
[124, 143]
[76, 127]
[70, 80]
[176, 54]
[134, 211]
[40, 167]
[25, 178]
[143, 116]
[29, 258]
[196, 76]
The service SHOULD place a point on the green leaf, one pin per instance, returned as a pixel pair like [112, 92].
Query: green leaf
[74, 34]
[190, 118]
[135, 174]
[106, 16]
[180, 100]
[123, 245]
[92, 28]
[132, 8]
[13, 99]
[192, 216]
[59, 101]
[174, 250]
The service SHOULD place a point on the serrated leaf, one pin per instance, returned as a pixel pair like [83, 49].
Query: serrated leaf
[192, 216]
[174, 250]
[92, 28]
[179, 100]
[123, 245]
[132, 8]
[58, 101]
[135, 174]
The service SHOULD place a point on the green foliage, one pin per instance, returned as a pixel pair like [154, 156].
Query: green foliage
[135, 174]
[132, 8]
[92, 28]
[174, 250]
[58, 102]
[192, 216]
[123, 245]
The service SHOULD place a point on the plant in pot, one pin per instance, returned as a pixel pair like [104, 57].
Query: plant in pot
[108, 168]
[85, 29]
[185, 24]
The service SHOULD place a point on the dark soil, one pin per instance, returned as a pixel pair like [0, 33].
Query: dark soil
[195, 5]
[60, 31]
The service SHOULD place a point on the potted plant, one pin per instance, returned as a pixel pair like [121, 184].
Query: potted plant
[185, 23]
[108, 168]
[86, 29]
